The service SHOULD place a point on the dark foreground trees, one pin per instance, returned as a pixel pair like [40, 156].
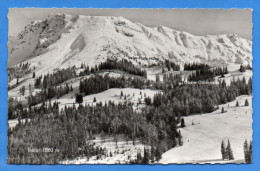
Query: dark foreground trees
[248, 151]
[226, 151]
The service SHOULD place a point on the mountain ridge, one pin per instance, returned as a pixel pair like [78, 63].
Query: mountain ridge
[72, 40]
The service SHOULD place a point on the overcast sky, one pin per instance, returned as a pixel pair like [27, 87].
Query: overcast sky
[194, 21]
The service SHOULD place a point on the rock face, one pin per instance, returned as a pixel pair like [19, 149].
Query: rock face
[64, 40]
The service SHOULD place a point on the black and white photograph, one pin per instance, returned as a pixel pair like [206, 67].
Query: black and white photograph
[129, 86]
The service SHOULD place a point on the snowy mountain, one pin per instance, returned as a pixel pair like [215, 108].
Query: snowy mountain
[64, 40]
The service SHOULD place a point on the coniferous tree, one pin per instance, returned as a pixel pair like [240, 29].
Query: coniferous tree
[148, 101]
[222, 110]
[248, 152]
[146, 156]
[180, 139]
[139, 158]
[158, 154]
[79, 98]
[229, 152]
[237, 104]
[22, 90]
[246, 103]
[157, 78]
[182, 123]
[242, 68]
[223, 150]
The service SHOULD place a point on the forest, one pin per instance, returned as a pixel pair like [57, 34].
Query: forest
[69, 131]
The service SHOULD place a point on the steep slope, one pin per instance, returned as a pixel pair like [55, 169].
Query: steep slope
[64, 40]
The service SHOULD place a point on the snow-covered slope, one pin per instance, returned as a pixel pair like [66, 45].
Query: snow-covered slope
[202, 139]
[64, 40]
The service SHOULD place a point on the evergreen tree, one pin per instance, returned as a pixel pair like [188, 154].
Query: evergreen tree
[146, 156]
[22, 90]
[158, 154]
[242, 68]
[222, 110]
[94, 100]
[148, 101]
[229, 152]
[237, 104]
[248, 152]
[157, 77]
[180, 139]
[163, 68]
[152, 153]
[182, 122]
[79, 98]
[246, 103]
[139, 158]
[223, 150]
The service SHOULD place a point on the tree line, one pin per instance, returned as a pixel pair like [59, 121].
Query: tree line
[55, 78]
[98, 83]
[206, 74]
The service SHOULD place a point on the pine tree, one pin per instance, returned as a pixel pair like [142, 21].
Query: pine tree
[163, 68]
[157, 154]
[152, 153]
[79, 98]
[146, 156]
[182, 123]
[139, 158]
[237, 104]
[222, 110]
[246, 103]
[246, 150]
[250, 153]
[94, 100]
[229, 152]
[223, 150]
[242, 68]
[157, 78]
[180, 139]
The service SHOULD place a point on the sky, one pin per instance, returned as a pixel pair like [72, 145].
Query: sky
[194, 21]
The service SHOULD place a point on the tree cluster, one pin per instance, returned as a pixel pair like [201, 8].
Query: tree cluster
[171, 66]
[55, 78]
[122, 65]
[206, 74]
[99, 83]
[18, 71]
[195, 66]
[226, 151]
